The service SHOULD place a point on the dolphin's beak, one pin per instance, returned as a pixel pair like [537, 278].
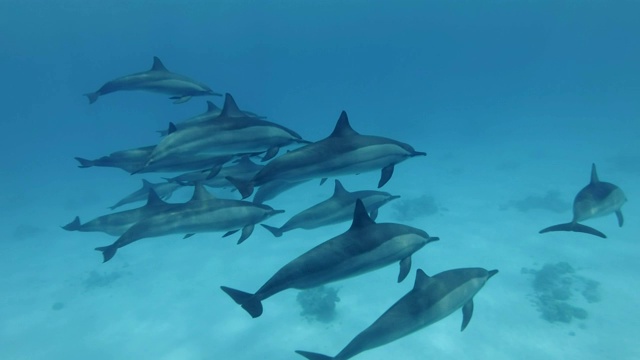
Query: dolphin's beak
[433, 238]
[419, 153]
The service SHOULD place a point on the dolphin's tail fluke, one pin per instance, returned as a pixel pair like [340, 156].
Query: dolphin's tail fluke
[574, 226]
[244, 187]
[248, 301]
[92, 96]
[84, 163]
[277, 232]
[74, 225]
[108, 251]
[313, 356]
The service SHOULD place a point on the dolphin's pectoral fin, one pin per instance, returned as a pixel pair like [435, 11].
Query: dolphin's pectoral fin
[248, 301]
[214, 172]
[574, 227]
[373, 214]
[386, 174]
[322, 181]
[74, 225]
[313, 356]
[246, 232]
[620, 218]
[230, 232]
[467, 312]
[186, 236]
[108, 251]
[405, 267]
[277, 232]
[271, 153]
[180, 99]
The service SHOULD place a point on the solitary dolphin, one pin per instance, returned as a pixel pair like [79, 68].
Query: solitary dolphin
[344, 152]
[431, 300]
[159, 80]
[365, 247]
[336, 209]
[117, 223]
[203, 213]
[599, 198]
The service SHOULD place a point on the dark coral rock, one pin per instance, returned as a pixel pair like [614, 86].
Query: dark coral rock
[319, 303]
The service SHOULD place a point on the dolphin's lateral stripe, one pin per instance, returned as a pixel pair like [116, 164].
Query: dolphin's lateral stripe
[576, 227]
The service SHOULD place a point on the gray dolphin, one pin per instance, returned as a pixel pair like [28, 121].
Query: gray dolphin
[344, 152]
[203, 213]
[599, 198]
[158, 79]
[164, 190]
[338, 208]
[431, 300]
[365, 247]
[128, 160]
[242, 168]
[272, 189]
[117, 223]
[212, 112]
[231, 132]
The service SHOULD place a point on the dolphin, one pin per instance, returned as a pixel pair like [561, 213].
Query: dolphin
[344, 152]
[158, 79]
[203, 213]
[128, 160]
[212, 112]
[270, 190]
[338, 208]
[242, 168]
[598, 198]
[365, 247]
[431, 300]
[117, 223]
[164, 190]
[231, 132]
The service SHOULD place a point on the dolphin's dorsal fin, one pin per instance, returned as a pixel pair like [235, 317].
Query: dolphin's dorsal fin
[200, 193]
[594, 174]
[245, 160]
[360, 216]
[421, 279]
[146, 184]
[343, 128]
[153, 199]
[172, 128]
[158, 65]
[339, 190]
[211, 107]
[230, 108]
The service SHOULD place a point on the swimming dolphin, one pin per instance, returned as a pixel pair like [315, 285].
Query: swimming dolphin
[242, 168]
[230, 133]
[338, 208]
[599, 198]
[117, 223]
[157, 79]
[212, 112]
[203, 213]
[128, 160]
[164, 190]
[365, 247]
[344, 152]
[431, 300]
[272, 189]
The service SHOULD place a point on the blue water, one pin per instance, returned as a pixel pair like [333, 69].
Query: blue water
[509, 100]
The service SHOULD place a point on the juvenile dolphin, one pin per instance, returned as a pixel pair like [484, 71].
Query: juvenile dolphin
[431, 300]
[212, 112]
[365, 247]
[338, 208]
[270, 190]
[117, 223]
[242, 168]
[344, 152]
[164, 190]
[203, 213]
[599, 198]
[158, 79]
[230, 133]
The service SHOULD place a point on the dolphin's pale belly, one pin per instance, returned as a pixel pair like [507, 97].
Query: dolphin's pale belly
[591, 208]
[358, 161]
[392, 250]
[170, 86]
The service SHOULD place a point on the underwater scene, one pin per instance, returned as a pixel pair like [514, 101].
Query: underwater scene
[204, 180]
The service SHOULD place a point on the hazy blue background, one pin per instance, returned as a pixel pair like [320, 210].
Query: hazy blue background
[543, 87]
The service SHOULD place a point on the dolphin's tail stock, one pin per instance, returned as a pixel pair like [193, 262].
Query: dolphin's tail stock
[92, 96]
[274, 230]
[574, 226]
[74, 225]
[108, 251]
[248, 301]
[244, 187]
[84, 163]
[313, 356]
